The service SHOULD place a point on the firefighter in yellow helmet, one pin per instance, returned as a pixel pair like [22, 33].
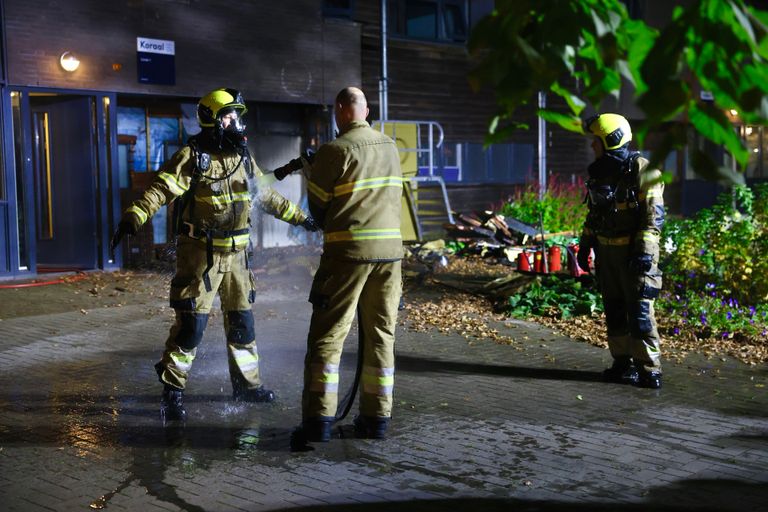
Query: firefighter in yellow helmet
[354, 189]
[208, 183]
[623, 226]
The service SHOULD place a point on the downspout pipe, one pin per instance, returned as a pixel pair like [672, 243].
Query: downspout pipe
[383, 85]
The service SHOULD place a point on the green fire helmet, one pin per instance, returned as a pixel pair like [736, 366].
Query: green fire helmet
[217, 103]
[612, 129]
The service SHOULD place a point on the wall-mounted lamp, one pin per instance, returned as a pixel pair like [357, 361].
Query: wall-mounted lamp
[69, 62]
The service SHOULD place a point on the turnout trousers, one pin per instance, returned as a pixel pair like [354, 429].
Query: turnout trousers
[339, 289]
[629, 311]
[231, 278]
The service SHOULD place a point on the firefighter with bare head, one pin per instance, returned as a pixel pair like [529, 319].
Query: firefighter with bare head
[354, 190]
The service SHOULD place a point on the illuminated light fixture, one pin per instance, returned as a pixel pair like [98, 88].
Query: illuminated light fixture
[734, 112]
[69, 62]
[748, 130]
[756, 150]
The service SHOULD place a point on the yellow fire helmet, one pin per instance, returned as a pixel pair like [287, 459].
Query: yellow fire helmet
[612, 129]
[217, 103]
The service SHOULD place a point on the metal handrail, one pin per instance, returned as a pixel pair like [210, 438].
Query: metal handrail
[431, 126]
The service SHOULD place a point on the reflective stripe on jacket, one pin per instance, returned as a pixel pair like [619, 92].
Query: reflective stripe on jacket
[356, 183]
[218, 204]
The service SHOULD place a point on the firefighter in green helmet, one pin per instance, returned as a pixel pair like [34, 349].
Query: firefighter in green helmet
[623, 226]
[208, 182]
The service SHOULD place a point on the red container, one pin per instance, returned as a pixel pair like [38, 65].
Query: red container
[553, 259]
[523, 263]
[538, 262]
[573, 267]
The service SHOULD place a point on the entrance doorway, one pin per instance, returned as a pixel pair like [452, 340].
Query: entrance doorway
[64, 182]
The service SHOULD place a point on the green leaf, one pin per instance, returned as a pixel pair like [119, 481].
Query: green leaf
[568, 122]
[711, 122]
[575, 103]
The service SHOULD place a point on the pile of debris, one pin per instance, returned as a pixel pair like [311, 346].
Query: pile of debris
[513, 242]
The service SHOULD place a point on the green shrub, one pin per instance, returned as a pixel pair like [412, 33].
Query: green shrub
[551, 296]
[561, 206]
[725, 246]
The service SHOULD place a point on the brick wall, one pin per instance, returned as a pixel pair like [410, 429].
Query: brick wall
[272, 51]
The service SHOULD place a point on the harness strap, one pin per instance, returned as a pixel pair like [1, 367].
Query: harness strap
[209, 235]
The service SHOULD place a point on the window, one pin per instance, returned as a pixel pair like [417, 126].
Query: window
[421, 20]
[338, 8]
[756, 141]
[429, 20]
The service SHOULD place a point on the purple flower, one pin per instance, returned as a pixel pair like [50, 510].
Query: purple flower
[725, 334]
[676, 330]
[710, 286]
[703, 319]
[691, 274]
[701, 251]
[729, 315]
[751, 310]
[714, 294]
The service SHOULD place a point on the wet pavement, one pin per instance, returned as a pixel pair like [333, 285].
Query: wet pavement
[476, 426]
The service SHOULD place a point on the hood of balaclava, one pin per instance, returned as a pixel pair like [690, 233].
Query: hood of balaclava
[610, 163]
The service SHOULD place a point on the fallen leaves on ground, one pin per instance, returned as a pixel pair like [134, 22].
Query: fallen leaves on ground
[468, 315]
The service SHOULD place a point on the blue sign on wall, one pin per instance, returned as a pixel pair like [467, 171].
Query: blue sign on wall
[155, 60]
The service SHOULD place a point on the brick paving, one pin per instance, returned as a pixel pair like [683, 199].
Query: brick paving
[476, 427]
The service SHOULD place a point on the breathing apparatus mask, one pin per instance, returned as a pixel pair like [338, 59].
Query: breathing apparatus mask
[211, 111]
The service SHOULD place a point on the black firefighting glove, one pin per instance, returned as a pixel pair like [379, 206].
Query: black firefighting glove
[310, 224]
[582, 257]
[124, 228]
[641, 263]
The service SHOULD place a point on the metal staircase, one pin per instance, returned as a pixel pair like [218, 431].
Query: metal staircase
[425, 196]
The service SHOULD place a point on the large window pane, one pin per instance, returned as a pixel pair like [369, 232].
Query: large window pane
[455, 22]
[41, 165]
[18, 150]
[162, 131]
[338, 8]
[133, 121]
[421, 20]
[752, 139]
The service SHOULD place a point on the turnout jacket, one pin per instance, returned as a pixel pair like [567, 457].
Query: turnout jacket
[634, 215]
[221, 202]
[355, 189]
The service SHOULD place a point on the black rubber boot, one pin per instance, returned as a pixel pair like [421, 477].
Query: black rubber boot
[172, 404]
[621, 372]
[315, 430]
[259, 394]
[368, 427]
[650, 380]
